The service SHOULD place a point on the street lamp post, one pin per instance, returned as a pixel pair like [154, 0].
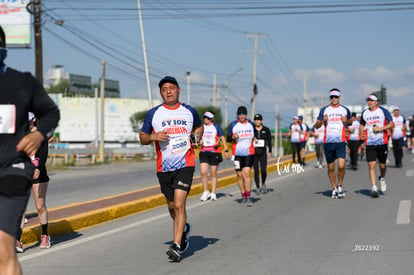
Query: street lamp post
[226, 117]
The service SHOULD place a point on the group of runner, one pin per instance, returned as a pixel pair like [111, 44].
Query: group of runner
[337, 128]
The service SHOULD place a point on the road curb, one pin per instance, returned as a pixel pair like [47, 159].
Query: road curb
[77, 222]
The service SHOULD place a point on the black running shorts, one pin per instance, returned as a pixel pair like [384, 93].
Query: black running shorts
[13, 201]
[179, 179]
[379, 152]
[43, 177]
[241, 162]
[211, 158]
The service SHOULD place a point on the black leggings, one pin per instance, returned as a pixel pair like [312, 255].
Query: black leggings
[296, 147]
[353, 146]
[262, 158]
[397, 145]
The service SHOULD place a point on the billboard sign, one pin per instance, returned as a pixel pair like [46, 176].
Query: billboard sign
[80, 119]
[15, 21]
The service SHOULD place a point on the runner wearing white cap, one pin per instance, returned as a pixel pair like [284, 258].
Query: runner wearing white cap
[334, 116]
[375, 123]
[397, 135]
[210, 154]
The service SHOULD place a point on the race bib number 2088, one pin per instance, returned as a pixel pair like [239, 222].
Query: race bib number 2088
[7, 119]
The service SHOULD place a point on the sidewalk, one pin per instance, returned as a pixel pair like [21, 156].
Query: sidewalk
[71, 218]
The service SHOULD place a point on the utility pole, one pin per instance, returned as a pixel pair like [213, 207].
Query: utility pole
[38, 40]
[102, 116]
[188, 87]
[144, 50]
[304, 98]
[255, 52]
[226, 87]
[276, 150]
[215, 90]
[278, 138]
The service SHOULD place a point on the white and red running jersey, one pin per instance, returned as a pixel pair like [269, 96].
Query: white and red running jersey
[399, 122]
[176, 152]
[243, 146]
[211, 138]
[378, 117]
[295, 135]
[334, 127]
[319, 134]
[355, 134]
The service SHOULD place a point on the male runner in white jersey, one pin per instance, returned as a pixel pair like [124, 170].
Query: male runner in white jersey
[319, 135]
[398, 134]
[295, 130]
[375, 121]
[170, 126]
[354, 141]
[334, 116]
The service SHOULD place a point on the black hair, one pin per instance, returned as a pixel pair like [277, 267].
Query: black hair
[2, 38]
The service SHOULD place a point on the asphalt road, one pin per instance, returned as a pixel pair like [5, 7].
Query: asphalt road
[80, 184]
[297, 228]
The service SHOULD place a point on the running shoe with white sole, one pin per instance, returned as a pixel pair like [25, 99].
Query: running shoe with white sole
[174, 252]
[243, 201]
[249, 202]
[334, 194]
[185, 239]
[213, 196]
[382, 184]
[341, 193]
[374, 191]
[19, 247]
[44, 242]
[264, 188]
[205, 196]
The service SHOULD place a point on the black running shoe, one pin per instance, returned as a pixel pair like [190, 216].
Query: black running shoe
[374, 192]
[174, 252]
[185, 239]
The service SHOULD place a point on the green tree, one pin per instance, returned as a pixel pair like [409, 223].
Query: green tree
[61, 88]
[137, 119]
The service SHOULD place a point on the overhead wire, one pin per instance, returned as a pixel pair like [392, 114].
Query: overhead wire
[191, 14]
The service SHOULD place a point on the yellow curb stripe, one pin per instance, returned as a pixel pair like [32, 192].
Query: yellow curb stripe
[81, 221]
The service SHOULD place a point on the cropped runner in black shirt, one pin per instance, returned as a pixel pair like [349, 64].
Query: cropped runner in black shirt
[262, 150]
[20, 93]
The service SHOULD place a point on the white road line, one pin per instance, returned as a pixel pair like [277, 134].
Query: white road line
[409, 173]
[403, 214]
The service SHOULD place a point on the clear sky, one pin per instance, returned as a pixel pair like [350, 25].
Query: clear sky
[355, 46]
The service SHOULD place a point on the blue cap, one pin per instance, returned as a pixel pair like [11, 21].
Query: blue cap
[168, 79]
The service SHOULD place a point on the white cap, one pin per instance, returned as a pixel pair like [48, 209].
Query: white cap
[334, 93]
[372, 97]
[209, 115]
